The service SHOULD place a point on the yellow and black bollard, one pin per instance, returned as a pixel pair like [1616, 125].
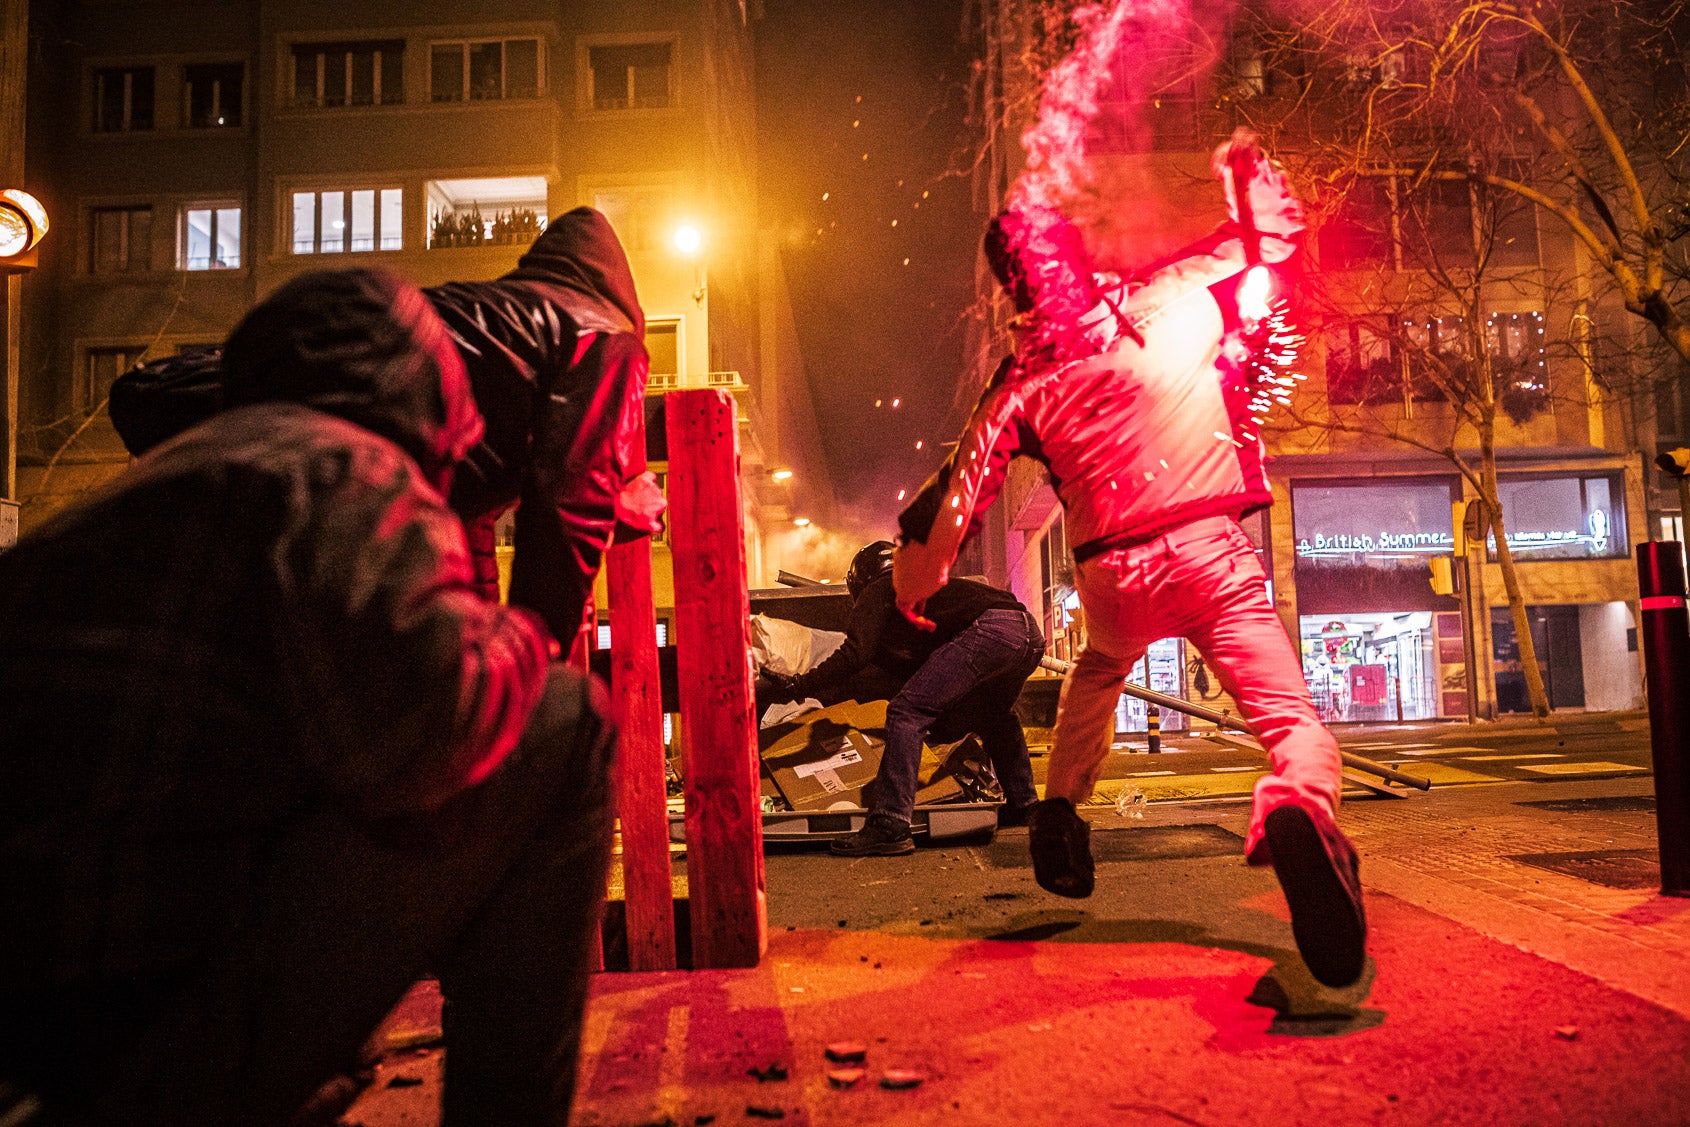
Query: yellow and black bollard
[1153, 723]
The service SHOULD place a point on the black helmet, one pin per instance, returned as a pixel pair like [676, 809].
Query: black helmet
[868, 565]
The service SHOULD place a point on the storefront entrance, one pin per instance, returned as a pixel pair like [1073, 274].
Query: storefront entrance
[1373, 666]
[1555, 636]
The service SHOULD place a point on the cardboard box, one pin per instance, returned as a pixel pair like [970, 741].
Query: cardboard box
[826, 759]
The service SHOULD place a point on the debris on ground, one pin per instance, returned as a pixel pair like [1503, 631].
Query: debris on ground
[1130, 802]
[845, 1077]
[899, 1079]
[775, 1071]
[1567, 1032]
[847, 1052]
[404, 1081]
[758, 1112]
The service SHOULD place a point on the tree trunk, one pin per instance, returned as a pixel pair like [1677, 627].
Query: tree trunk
[1538, 695]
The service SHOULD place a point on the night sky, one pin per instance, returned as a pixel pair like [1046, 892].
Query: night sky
[838, 79]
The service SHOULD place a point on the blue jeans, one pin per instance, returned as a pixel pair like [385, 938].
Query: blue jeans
[972, 681]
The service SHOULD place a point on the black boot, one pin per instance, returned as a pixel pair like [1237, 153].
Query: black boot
[1321, 875]
[881, 836]
[1060, 842]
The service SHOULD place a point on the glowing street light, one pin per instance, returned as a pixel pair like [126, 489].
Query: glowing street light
[689, 240]
[23, 221]
[782, 475]
[801, 522]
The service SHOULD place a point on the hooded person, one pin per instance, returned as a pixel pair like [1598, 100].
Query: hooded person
[268, 757]
[1136, 393]
[966, 673]
[555, 352]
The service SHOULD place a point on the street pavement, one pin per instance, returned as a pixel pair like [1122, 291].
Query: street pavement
[1525, 969]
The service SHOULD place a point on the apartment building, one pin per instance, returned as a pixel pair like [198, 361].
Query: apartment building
[196, 154]
[1358, 514]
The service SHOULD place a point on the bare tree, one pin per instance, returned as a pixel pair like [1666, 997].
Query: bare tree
[1443, 132]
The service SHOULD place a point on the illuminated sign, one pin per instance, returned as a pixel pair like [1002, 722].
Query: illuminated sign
[1388, 544]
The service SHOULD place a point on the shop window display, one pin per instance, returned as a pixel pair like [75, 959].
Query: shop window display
[1379, 665]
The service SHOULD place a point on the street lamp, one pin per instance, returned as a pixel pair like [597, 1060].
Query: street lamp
[782, 475]
[689, 240]
[23, 221]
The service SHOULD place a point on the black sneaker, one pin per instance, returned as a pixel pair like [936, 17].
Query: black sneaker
[1010, 817]
[1060, 842]
[881, 836]
[1321, 876]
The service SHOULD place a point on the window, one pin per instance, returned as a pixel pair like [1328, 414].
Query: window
[630, 76]
[663, 345]
[1439, 356]
[120, 240]
[1361, 366]
[484, 69]
[366, 73]
[1563, 518]
[211, 236]
[211, 95]
[1515, 344]
[362, 219]
[488, 211]
[100, 368]
[639, 216]
[1511, 222]
[123, 99]
[1437, 223]
[1357, 228]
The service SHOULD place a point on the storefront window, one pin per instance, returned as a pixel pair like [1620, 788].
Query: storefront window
[1383, 666]
[1563, 518]
[1377, 642]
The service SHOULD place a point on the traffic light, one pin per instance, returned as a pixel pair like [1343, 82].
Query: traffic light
[1675, 462]
[22, 223]
[1443, 574]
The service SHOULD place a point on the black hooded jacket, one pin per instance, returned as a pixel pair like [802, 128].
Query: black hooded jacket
[556, 356]
[271, 611]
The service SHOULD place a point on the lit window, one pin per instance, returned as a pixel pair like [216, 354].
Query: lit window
[211, 95]
[366, 73]
[481, 70]
[211, 237]
[630, 76]
[356, 220]
[490, 211]
[121, 240]
[123, 99]
[100, 368]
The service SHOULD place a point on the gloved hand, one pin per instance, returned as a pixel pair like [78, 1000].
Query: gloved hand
[772, 688]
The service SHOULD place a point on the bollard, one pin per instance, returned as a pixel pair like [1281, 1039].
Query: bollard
[1666, 655]
[1153, 723]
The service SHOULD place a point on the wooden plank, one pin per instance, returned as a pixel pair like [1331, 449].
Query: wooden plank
[728, 908]
[641, 775]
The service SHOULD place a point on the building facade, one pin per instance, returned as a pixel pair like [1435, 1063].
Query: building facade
[1367, 454]
[196, 155]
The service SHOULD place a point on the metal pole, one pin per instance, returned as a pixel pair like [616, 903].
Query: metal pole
[1228, 720]
[1666, 655]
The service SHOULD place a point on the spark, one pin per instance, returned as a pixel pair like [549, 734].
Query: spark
[918, 444]
[825, 195]
[902, 493]
[895, 402]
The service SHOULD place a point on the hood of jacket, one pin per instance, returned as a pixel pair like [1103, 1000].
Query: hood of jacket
[365, 346]
[580, 251]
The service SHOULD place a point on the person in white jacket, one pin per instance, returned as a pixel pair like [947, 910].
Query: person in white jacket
[1139, 395]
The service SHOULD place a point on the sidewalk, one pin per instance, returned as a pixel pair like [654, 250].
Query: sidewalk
[1506, 992]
